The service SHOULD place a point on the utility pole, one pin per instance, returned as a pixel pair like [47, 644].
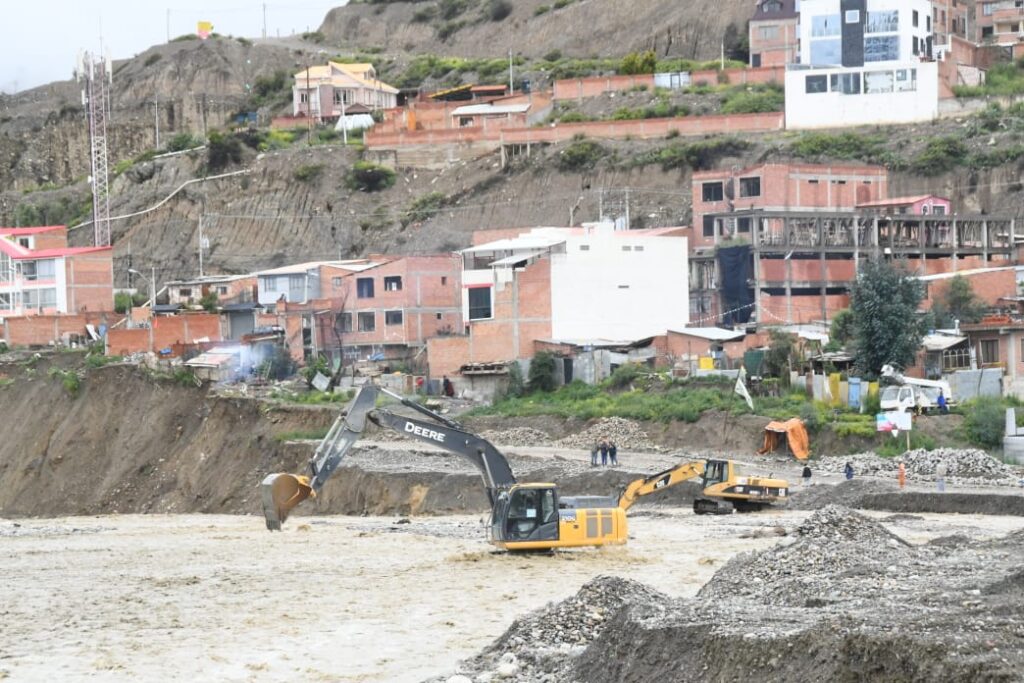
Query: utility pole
[309, 110]
[168, 24]
[511, 85]
[264, 21]
[152, 287]
[201, 244]
[156, 117]
[628, 224]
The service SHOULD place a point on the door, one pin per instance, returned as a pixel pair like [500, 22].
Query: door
[567, 370]
[532, 515]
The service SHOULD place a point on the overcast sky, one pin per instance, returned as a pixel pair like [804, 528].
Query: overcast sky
[40, 39]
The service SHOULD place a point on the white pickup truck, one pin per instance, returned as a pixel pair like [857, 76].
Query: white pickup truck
[907, 393]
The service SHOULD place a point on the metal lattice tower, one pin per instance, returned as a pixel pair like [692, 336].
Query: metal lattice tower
[97, 73]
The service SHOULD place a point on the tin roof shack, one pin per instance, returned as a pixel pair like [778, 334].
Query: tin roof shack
[594, 360]
[229, 289]
[693, 349]
[220, 364]
[998, 342]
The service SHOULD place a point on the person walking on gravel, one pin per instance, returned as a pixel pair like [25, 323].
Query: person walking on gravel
[807, 475]
[593, 454]
[901, 476]
[604, 452]
[848, 471]
[940, 477]
[613, 453]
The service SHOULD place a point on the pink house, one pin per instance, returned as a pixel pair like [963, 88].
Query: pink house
[921, 205]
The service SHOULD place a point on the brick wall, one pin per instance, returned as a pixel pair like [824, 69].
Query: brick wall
[447, 354]
[987, 286]
[90, 281]
[40, 330]
[165, 332]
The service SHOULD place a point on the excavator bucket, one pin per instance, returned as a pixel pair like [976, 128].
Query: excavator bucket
[280, 493]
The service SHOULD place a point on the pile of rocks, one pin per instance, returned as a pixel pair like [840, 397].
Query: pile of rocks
[626, 434]
[517, 436]
[834, 556]
[541, 646]
[846, 493]
[963, 466]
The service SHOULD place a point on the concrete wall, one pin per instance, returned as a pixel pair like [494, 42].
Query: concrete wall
[624, 287]
[836, 110]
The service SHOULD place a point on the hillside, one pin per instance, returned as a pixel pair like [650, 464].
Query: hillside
[580, 28]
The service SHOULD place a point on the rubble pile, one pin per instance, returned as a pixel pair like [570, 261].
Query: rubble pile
[835, 555]
[847, 493]
[541, 646]
[517, 436]
[963, 466]
[625, 433]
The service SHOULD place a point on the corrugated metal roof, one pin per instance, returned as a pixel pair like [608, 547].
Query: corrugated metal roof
[516, 244]
[711, 333]
[940, 342]
[486, 109]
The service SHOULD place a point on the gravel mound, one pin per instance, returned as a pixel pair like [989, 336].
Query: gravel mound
[835, 555]
[626, 434]
[517, 436]
[846, 493]
[541, 646]
[963, 466]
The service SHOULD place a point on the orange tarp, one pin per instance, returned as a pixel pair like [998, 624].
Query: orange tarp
[795, 434]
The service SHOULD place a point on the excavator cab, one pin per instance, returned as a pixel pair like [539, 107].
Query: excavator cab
[526, 514]
[715, 472]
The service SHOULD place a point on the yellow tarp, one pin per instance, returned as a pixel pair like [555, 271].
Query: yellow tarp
[793, 432]
[706, 363]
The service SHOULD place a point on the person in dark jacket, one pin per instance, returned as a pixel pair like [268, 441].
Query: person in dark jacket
[448, 387]
[613, 453]
[604, 452]
[848, 471]
[807, 475]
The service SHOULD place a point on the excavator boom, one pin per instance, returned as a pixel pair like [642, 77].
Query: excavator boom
[281, 492]
[660, 481]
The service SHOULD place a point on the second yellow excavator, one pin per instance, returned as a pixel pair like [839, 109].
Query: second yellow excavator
[523, 516]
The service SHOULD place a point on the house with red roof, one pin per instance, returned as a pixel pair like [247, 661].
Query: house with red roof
[41, 274]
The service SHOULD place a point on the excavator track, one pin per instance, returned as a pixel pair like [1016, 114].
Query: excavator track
[707, 506]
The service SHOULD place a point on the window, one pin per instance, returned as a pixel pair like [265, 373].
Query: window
[941, 211]
[755, 60]
[847, 84]
[882, 22]
[881, 48]
[184, 291]
[465, 121]
[826, 52]
[346, 322]
[25, 242]
[222, 290]
[916, 46]
[437, 315]
[750, 187]
[769, 32]
[743, 225]
[813, 181]
[367, 321]
[816, 84]
[827, 25]
[5, 302]
[906, 80]
[393, 283]
[989, 351]
[444, 279]
[584, 247]
[303, 97]
[342, 97]
[914, 19]
[712, 192]
[878, 82]
[40, 298]
[928, 24]
[38, 270]
[364, 288]
[392, 317]
[336, 282]
[853, 16]
[626, 247]
[480, 303]
[638, 247]
[709, 226]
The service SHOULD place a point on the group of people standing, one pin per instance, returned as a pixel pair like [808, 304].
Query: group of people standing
[609, 452]
[901, 475]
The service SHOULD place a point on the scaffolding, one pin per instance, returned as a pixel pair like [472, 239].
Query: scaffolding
[97, 74]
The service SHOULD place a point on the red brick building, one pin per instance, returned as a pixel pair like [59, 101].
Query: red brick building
[384, 307]
[774, 33]
[41, 274]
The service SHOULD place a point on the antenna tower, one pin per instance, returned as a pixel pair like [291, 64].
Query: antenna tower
[97, 75]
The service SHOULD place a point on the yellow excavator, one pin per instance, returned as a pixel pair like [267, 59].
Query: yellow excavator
[523, 516]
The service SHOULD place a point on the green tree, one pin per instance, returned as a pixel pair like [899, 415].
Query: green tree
[210, 301]
[843, 327]
[367, 176]
[885, 299]
[778, 359]
[639, 63]
[222, 150]
[542, 372]
[957, 302]
[985, 422]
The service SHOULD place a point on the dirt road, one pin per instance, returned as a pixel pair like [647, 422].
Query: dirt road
[203, 597]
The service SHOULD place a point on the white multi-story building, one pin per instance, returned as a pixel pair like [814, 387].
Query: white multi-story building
[863, 62]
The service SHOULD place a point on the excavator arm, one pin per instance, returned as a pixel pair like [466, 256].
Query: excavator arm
[280, 493]
[658, 482]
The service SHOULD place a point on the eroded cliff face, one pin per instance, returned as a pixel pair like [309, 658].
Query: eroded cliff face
[605, 28]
